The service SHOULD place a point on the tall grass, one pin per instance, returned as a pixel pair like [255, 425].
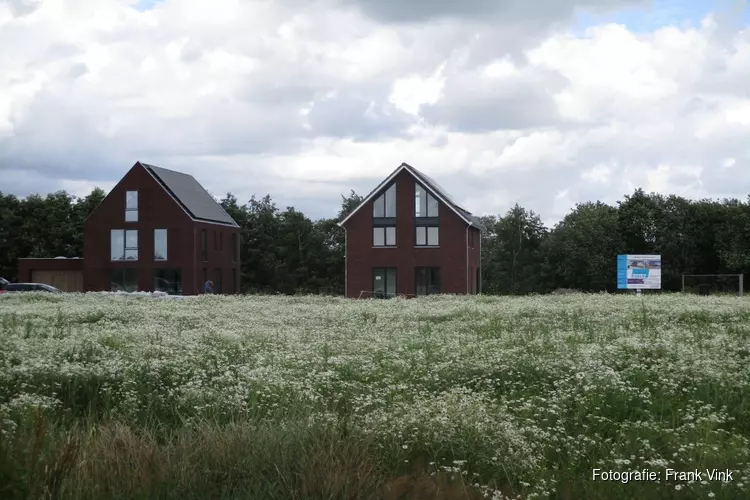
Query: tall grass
[312, 397]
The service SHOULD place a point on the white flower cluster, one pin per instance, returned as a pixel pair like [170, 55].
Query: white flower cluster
[521, 393]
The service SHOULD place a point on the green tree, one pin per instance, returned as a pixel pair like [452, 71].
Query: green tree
[638, 221]
[511, 258]
[260, 252]
[580, 252]
[12, 237]
[733, 237]
[287, 252]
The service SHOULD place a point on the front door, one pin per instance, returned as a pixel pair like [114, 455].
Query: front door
[426, 280]
[384, 282]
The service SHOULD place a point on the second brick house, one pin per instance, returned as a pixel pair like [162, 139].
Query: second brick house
[409, 237]
[159, 229]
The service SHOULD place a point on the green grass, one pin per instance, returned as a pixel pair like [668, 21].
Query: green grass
[107, 397]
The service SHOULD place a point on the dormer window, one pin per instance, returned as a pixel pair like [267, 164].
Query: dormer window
[131, 206]
[426, 218]
[384, 218]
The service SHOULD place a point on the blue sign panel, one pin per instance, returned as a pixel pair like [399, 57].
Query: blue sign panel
[622, 271]
[639, 272]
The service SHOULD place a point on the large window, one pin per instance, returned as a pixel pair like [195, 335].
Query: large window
[427, 280]
[204, 243]
[426, 218]
[384, 282]
[160, 244]
[384, 218]
[385, 204]
[384, 236]
[131, 206]
[124, 244]
[425, 205]
[124, 279]
[168, 280]
[428, 236]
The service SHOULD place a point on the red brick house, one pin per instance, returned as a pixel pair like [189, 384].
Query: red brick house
[157, 229]
[409, 237]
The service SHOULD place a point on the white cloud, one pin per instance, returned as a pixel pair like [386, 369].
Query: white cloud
[599, 174]
[411, 92]
[728, 163]
[305, 100]
[662, 179]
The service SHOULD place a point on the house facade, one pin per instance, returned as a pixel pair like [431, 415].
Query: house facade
[409, 237]
[160, 230]
[157, 230]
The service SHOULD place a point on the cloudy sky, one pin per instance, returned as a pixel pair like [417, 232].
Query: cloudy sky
[546, 102]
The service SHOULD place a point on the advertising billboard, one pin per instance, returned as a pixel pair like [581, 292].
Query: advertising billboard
[639, 272]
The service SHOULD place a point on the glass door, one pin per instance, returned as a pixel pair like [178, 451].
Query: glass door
[384, 282]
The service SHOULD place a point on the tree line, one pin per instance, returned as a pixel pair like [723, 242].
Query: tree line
[283, 251]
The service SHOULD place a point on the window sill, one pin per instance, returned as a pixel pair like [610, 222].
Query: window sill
[426, 246]
[385, 246]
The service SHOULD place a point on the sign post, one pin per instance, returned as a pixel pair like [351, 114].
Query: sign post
[639, 272]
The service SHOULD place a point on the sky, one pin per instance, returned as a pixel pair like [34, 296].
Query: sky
[545, 103]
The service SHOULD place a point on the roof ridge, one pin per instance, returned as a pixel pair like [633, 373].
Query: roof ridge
[150, 165]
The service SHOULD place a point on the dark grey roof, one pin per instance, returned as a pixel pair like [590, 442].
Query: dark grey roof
[434, 186]
[191, 195]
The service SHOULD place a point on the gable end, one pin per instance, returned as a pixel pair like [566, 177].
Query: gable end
[208, 209]
[430, 186]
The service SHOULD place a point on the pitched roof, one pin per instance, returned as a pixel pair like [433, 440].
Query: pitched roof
[190, 195]
[431, 186]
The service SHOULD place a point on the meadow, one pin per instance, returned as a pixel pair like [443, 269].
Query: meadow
[114, 397]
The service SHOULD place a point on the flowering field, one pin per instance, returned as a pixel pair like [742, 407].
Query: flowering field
[311, 397]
